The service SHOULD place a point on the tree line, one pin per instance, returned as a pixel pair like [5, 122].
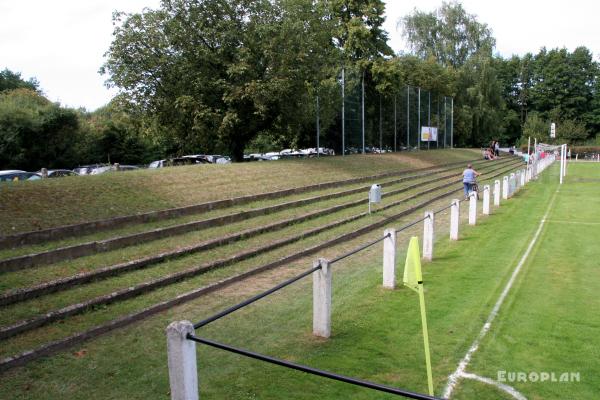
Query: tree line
[222, 76]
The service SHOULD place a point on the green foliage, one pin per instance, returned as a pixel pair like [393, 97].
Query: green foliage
[12, 80]
[34, 132]
[449, 34]
[217, 73]
[567, 130]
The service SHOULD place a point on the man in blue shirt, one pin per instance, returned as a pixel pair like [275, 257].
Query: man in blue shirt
[469, 176]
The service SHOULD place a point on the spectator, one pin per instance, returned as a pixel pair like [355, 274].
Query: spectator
[469, 176]
[497, 148]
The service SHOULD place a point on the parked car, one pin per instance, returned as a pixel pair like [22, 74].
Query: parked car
[157, 164]
[113, 168]
[59, 173]
[14, 175]
[87, 169]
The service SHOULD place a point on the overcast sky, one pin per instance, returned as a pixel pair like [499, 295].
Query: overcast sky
[62, 42]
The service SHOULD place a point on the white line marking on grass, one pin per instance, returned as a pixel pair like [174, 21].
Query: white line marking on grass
[508, 389]
[462, 365]
[554, 221]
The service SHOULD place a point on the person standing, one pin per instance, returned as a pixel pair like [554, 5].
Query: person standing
[469, 176]
[497, 148]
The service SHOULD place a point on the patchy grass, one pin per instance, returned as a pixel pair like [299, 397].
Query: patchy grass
[376, 333]
[26, 206]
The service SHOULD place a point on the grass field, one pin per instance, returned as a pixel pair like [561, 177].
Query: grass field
[28, 206]
[547, 323]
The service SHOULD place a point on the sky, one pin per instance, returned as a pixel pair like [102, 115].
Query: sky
[62, 42]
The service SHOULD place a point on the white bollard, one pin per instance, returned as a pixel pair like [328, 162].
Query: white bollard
[322, 299]
[486, 200]
[428, 236]
[511, 185]
[389, 259]
[505, 188]
[497, 193]
[454, 219]
[522, 176]
[472, 208]
[181, 354]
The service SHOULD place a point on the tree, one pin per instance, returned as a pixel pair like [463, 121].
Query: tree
[212, 75]
[34, 132]
[563, 84]
[449, 34]
[12, 80]
[359, 30]
[480, 115]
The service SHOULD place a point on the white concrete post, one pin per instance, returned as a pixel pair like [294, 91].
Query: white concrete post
[562, 155]
[486, 200]
[428, 236]
[522, 177]
[181, 353]
[389, 259]
[511, 184]
[454, 219]
[322, 299]
[505, 188]
[472, 208]
[497, 193]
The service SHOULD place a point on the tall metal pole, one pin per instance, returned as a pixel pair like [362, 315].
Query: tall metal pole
[445, 122]
[343, 112]
[380, 126]
[363, 112]
[429, 115]
[451, 122]
[437, 143]
[408, 117]
[318, 128]
[419, 121]
[395, 127]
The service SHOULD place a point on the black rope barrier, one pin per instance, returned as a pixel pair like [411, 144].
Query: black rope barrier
[313, 371]
[358, 249]
[443, 209]
[255, 298]
[402, 228]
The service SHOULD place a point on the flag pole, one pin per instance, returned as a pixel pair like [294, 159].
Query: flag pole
[413, 278]
[425, 338]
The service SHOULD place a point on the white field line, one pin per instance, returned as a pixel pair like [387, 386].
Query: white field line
[508, 389]
[462, 365]
[554, 221]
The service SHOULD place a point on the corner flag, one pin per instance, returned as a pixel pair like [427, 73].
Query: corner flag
[414, 280]
[412, 266]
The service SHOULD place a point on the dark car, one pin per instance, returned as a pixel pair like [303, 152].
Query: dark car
[59, 173]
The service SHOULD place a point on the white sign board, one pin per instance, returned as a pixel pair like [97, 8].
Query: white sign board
[429, 134]
[553, 130]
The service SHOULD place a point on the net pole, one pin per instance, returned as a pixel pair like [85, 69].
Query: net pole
[395, 126]
[408, 117]
[318, 128]
[363, 112]
[419, 120]
[343, 111]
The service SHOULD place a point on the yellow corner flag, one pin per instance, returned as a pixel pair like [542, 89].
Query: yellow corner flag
[412, 267]
[414, 280]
